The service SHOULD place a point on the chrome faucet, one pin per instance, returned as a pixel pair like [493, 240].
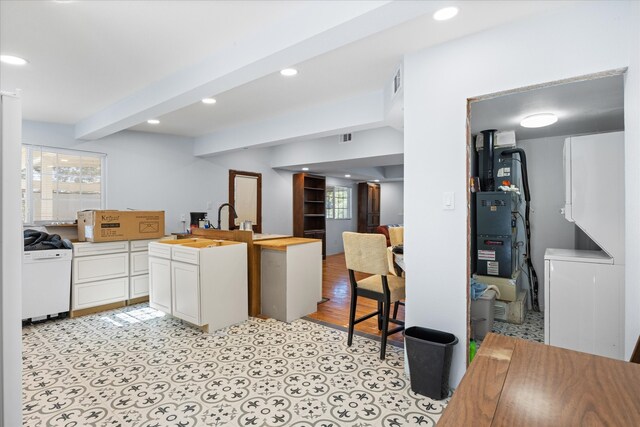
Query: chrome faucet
[231, 208]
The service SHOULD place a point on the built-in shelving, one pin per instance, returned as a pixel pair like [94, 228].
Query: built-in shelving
[309, 207]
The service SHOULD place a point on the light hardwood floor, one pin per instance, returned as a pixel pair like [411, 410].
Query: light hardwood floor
[335, 286]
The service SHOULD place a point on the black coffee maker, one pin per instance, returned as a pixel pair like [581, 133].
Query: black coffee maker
[196, 217]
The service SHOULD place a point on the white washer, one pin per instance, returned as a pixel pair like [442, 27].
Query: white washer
[46, 283]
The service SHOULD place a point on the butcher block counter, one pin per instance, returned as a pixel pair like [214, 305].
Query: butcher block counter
[291, 277]
[281, 244]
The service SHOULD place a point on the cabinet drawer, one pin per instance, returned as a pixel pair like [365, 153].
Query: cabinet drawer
[160, 250]
[100, 267]
[99, 293]
[88, 248]
[182, 254]
[139, 286]
[139, 263]
[141, 245]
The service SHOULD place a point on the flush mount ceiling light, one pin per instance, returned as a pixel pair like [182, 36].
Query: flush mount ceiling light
[376, 180]
[539, 120]
[347, 176]
[12, 60]
[305, 169]
[445, 13]
[153, 121]
[288, 72]
[209, 100]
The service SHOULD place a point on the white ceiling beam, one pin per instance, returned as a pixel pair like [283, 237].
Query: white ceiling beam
[380, 143]
[316, 29]
[360, 112]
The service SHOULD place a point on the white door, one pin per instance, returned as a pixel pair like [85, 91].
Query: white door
[186, 292]
[160, 284]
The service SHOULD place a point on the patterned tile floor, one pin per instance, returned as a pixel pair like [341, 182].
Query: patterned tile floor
[136, 367]
[532, 328]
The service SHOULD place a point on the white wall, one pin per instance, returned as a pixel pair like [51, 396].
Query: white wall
[335, 227]
[572, 41]
[10, 262]
[159, 172]
[549, 229]
[392, 203]
[277, 187]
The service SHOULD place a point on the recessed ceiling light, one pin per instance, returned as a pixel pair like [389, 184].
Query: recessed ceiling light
[539, 120]
[153, 121]
[445, 13]
[12, 60]
[305, 169]
[288, 72]
[347, 176]
[209, 100]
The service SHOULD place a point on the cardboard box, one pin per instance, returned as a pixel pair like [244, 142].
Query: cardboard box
[110, 226]
[509, 287]
[512, 312]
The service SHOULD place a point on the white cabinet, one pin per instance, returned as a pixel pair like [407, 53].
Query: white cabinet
[100, 274]
[100, 267]
[139, 268]
[138, 286]
[584, 310]
[291, 278]
[160, 284]
[201, 281]
[185, 293]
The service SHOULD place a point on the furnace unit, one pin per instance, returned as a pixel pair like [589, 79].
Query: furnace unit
[496, 233]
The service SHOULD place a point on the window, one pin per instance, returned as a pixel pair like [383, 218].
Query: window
[338, 203]
[57, 183]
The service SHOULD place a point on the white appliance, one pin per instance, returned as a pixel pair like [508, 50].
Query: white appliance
[584, 290]
[46, 283]
[584, 309]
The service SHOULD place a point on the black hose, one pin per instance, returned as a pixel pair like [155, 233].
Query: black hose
[533, 277]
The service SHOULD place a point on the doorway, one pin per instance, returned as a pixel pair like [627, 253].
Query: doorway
[592, 104]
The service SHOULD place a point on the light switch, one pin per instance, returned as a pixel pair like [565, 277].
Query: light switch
[448, 201]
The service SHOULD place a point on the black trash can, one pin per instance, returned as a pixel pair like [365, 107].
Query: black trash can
[429, 353]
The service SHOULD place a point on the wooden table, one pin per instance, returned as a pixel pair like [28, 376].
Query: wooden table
[514, 382]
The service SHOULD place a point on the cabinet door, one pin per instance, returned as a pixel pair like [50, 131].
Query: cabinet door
[186, 291]
[139, 286]
[139, 263]
[160, 284]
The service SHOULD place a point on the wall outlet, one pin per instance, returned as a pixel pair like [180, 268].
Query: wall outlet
[209, 206]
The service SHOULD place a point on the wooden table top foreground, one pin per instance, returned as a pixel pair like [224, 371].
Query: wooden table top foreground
[514, 382]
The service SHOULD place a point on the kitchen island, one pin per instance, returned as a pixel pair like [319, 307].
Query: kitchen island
[291, 277]
[253, 257]
[201, 281]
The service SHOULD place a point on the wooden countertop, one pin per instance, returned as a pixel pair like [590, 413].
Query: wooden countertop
[263, 236]
[514, 382]
[282, 244]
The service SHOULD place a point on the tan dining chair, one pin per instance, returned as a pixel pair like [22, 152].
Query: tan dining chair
[396, 236]
[367, 253]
